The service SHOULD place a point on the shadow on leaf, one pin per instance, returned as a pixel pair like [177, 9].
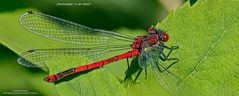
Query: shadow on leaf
[133, 70]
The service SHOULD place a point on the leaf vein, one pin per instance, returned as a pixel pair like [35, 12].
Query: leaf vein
[206, 55]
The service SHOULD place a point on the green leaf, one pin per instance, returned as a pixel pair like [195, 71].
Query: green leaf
[206, 34]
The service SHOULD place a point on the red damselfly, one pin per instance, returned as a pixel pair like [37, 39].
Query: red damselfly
[148, 48]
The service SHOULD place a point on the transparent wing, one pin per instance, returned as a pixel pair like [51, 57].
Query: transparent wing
[144, 58]
[66, 31]
[170, 82]
[39, 57]
[165, 78]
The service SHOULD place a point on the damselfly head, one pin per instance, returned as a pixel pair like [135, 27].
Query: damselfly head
[163, 35]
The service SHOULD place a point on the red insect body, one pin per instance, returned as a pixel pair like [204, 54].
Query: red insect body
[136, 46]
[129, 54]
[137, 43]
[153, 37]
[60, 75]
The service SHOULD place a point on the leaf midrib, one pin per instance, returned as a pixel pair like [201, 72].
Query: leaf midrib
[208, 52]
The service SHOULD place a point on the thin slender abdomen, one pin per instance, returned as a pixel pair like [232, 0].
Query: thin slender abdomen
[58, 76]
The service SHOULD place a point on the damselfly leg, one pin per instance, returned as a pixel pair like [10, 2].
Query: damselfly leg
[165, 57]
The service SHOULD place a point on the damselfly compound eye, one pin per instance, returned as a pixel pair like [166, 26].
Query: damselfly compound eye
[165, 37]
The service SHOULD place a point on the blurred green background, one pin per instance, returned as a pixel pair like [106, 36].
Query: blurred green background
[103, 14]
